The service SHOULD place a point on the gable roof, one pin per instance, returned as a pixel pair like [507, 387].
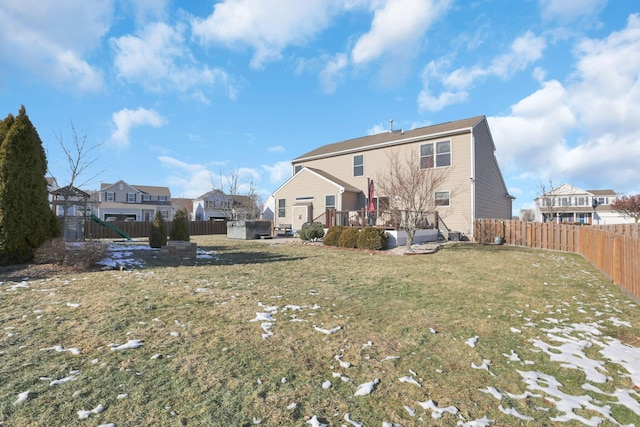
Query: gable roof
[391, 138]
[146, 189]
[323, 175]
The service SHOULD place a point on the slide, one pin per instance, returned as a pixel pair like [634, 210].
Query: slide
[109, 226]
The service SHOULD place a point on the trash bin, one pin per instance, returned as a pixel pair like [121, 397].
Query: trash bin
[498, 240]
[454, 236]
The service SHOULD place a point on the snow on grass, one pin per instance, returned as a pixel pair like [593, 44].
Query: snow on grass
[82, 414]
[471, 342]
[61, 349]
[366, 388]
[131, 344]
[327, 331]
[22, 397]
[437, 412]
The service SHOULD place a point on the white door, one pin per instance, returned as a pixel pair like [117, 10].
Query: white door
[301, 214]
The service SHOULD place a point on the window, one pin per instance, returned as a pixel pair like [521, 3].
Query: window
[297, 169]
[162, 198]
[358, 165]
[146, 197]
[442, 155]
[282, 208]
[442, 198]
[131, 197]
[330, 202]
[110, 196]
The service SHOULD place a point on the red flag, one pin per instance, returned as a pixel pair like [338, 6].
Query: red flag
[372, 206]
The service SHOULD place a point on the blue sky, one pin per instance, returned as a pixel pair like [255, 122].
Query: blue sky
[182, 94]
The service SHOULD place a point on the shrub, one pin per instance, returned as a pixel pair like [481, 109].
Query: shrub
[53, 251]
[81, 256]
[158, 233]
[312, 231]
[349, 238]
[333, 235]
[180, 225]
[373, 238]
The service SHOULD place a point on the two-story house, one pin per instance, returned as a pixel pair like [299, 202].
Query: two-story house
[569, 204]
[216, 205]
[125, 202]
[336, 176]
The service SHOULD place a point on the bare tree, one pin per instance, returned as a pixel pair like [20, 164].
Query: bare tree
[80, 156]
[627, 206]
[547, 200]
[411, 190]
[229, 189]
[527, 214]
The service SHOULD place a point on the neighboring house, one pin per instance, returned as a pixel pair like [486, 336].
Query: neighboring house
[336, 176]
[215, 205]
[569, 204]
[182, 203]
[268, 209]
[125, 202]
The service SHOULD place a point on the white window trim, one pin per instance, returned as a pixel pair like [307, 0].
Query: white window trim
[354, 165]
[435, 154]
[448, 192]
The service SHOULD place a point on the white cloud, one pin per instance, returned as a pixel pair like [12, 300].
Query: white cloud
[125, 119]
[397, 28]
[523, 51]
[266, 26]
[597, 109]
[279, 172]
[276, 149]
[333, 71]
[568, 11]
[158, 58]
[55, 53]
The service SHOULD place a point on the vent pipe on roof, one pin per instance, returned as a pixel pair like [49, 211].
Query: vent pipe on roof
[390, 125]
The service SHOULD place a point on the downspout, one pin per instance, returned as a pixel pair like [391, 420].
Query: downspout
[473, 182]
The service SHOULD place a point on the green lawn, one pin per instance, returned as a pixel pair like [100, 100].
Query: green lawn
[539, 317]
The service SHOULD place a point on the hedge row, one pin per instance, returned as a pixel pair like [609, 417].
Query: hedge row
[351, 237]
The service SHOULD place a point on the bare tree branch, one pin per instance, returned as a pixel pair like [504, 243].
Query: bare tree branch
[411, 190]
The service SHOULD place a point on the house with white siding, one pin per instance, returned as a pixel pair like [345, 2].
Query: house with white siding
[125, 202]
[337, 176]
[569, 204]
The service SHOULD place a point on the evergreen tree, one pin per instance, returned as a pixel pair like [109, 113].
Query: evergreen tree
[180, 225]
[25, 216]
[158, 233]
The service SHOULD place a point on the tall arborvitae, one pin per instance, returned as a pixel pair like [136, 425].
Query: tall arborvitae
[25, 216]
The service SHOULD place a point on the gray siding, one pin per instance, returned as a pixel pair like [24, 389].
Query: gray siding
[492, 199]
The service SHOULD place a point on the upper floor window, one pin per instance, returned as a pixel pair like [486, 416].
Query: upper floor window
[330, 202]
[282, 210]
[131, 197]
[146, 197]
[435, 154]
[162, 198]
[443, 198]
[297, 169]
[358, 165]
[110, 196]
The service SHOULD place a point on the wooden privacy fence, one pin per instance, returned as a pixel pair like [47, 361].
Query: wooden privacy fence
[138, 229]
[612, 249]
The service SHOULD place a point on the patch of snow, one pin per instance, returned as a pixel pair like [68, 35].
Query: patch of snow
[471, 342]
[22, 397]
[366, 388]
[131, 344]
[437, 412]
[410, 380]
[85, 414]
[327, 331]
